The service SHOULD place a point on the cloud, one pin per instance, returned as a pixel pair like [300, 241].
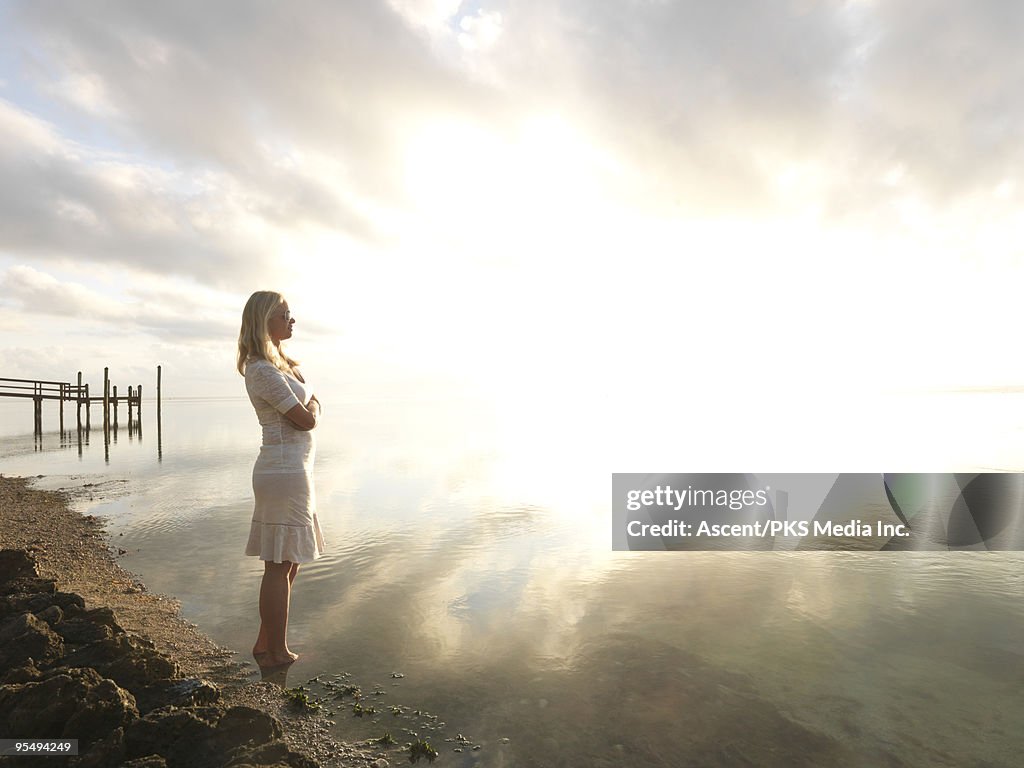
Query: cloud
[430, 15]
[425, 150]
[480, 31]
[938, 90]
[60, 199]
[301, 112]
[229, 137]
[209, 90]
[170, 315]
[50, 363]
[42, 293]
[721, 107]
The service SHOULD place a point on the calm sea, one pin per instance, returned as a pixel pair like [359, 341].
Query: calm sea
[469, 590]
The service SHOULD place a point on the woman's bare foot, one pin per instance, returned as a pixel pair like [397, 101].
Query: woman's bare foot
[272, 659]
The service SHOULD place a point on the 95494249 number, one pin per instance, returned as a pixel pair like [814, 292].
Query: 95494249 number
[38, 747]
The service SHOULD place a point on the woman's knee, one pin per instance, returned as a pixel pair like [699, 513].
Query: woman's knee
[277, 569]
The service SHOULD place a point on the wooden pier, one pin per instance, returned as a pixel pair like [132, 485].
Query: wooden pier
[77, 394]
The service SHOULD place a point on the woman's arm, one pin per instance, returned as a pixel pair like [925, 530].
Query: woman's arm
[304, 417]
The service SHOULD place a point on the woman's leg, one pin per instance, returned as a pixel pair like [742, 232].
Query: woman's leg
[275, 594]
[262, 643]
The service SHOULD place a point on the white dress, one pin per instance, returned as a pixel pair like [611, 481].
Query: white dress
[284, 523]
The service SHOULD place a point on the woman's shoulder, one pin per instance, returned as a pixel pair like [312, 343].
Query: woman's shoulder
[257, 364]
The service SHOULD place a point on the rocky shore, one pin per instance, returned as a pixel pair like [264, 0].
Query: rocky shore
[86, 652]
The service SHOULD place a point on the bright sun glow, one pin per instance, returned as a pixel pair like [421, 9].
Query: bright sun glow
[534, 183]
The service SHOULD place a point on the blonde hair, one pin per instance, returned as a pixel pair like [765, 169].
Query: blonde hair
[254, 339]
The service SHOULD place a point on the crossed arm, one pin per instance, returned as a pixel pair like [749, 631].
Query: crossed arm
[305, 417]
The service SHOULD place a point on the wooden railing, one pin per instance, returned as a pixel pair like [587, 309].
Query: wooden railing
[47, 390]
[39, 390]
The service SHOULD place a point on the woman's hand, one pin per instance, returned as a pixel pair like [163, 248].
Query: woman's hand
[304, 417]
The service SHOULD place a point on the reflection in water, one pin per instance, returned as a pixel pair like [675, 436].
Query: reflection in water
[511, 622]
[110, 427]
[277, 675]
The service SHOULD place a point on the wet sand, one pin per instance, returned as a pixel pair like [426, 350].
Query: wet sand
[75, 551]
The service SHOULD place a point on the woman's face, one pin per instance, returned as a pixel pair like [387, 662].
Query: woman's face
[280, 325]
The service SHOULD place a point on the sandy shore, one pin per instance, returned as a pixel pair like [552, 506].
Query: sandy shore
[73, 550]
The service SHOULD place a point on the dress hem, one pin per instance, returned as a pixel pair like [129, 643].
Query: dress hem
[280, 543]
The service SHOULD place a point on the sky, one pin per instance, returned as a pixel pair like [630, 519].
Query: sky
[652, 207]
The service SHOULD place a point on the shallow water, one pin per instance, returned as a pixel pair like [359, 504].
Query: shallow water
[480, 571]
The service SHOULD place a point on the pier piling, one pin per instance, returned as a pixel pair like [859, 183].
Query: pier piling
[37, 391]
[78, 401]
[106, 395]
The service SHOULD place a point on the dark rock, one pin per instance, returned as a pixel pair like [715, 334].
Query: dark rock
[25, 637]
[149, 761]
[129, 661]
[51, 615]
[94, 692]
[191, 691]
[14, 604]
[180, 735]
[69, 603]
[81, 631]
[15, 564]
[77, 703]
[26, 673]
[28, 585]
[276, 752]
[107, 751]
[105, 617]
[245, 726]
[72, 604]
[204, 737]
[116, 709]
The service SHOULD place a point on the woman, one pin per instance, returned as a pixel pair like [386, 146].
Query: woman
[285, 531]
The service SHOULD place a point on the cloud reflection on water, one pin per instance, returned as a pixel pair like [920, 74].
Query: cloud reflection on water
[510, 621]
